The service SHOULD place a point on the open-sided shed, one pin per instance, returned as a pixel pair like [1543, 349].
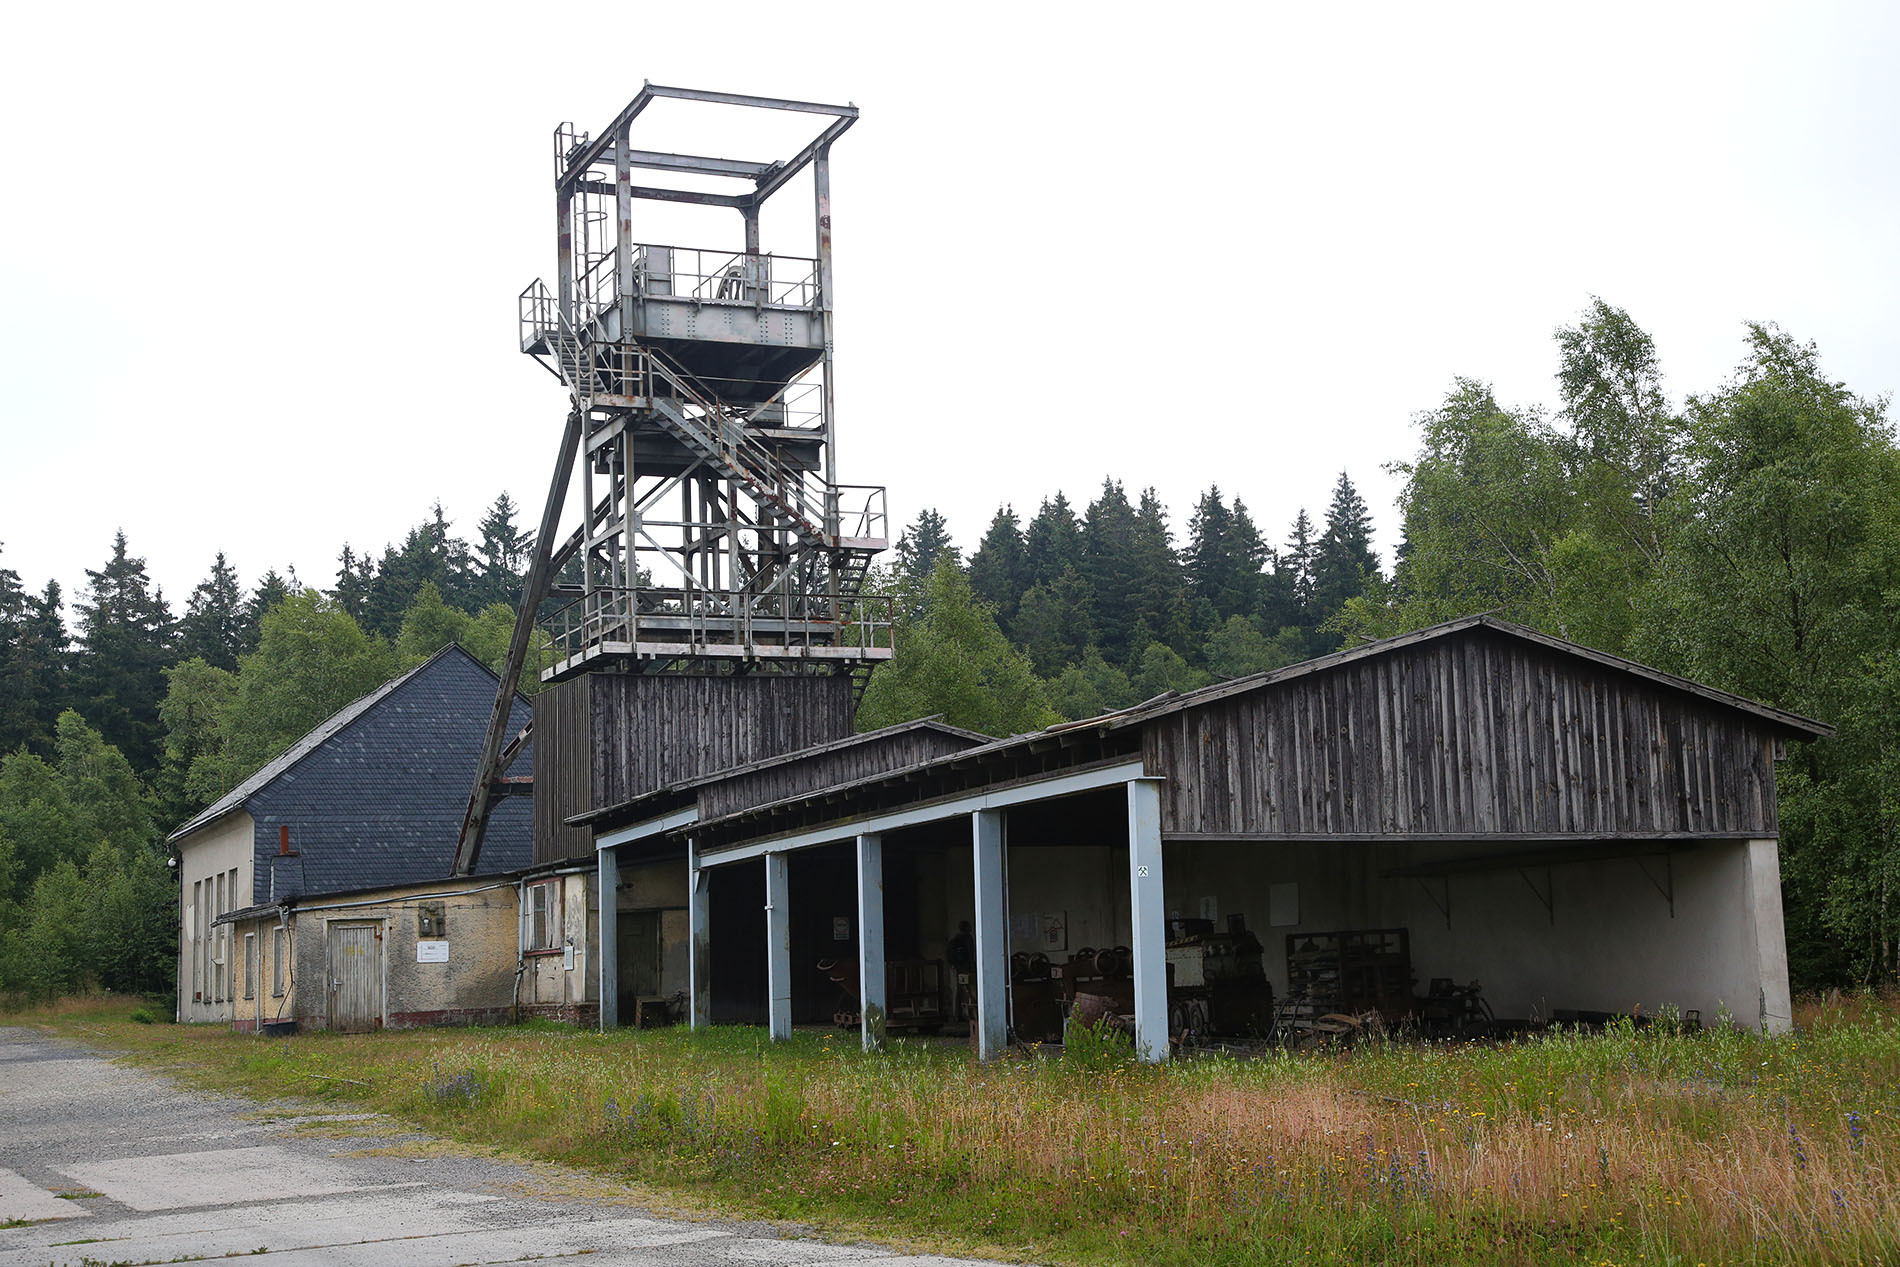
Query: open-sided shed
[1582, 833]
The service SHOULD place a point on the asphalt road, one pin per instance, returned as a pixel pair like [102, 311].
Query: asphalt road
[102, 1164]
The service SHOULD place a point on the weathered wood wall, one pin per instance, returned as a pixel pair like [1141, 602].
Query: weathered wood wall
[1462, 736]
[563, 755]
[826, 769]
[606, 738]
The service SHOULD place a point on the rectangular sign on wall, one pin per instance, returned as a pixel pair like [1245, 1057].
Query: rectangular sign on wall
[432, 951]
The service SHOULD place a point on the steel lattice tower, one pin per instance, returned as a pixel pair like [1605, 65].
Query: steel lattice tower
[714, 536]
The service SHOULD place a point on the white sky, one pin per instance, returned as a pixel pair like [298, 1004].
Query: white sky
[259, 263]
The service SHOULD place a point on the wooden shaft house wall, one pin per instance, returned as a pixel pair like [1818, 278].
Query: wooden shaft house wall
[605, 738]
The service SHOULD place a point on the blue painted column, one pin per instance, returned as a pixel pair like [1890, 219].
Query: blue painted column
[871, 992]
[1149, 919]
[991, 1029]
[778, 946]
[608, 952]
[698, 941]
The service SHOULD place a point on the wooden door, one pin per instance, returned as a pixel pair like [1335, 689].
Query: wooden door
[356, 976]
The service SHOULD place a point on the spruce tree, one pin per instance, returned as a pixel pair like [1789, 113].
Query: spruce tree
[919, 547]
[125, 642]
[502, 558]
[1154, 588]
[15, 606]
[1108, 566]
[1052, 544]
[213, 626]
[1053, 623]
[1343, 560]
[1297, 562]
[270, 592]
[354, 578]
[1224, 556]
[41, 663]
[998, 569]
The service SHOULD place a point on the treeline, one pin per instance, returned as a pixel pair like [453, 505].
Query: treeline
[1748, 538]
[1108, 611]
[116, 733]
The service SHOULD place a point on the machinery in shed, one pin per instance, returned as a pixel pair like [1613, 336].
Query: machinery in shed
[1217, 984]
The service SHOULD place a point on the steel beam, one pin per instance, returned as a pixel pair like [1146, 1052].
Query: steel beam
[654, 194]
[1149, 918]
[590, 153]
[871, 994]
[655, 160]
[608, 952]
[468, 845]
[992, 934]
[745, 99]
[778, 946]
[956, 807]
[820, 145]
[699, 941]
[649, 827]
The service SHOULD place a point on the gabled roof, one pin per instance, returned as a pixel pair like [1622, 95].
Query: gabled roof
[1788, 725]
[1778, 721]
[325, 731]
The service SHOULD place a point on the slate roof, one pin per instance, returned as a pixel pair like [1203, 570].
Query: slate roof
[375, 794]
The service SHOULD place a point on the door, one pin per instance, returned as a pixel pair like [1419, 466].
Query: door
[639, 959]
[356, 976]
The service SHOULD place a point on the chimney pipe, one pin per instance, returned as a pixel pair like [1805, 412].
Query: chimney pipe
[283, 841]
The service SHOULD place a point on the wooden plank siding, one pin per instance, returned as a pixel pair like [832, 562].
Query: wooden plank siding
[845, 764]
[605, 738]
[1470, 735]
[562, 752]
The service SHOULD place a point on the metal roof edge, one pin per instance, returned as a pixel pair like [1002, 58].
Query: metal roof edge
[661, 795]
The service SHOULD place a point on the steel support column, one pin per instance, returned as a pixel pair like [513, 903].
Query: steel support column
[698, 941]
[778, 946]
[871, 996]
[608, 952]
[1149, 919]
[991, 1028]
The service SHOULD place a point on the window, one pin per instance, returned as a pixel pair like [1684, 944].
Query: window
[218, 934]
[250, 965]
[541, 919]
[196, 922]
[279, 970]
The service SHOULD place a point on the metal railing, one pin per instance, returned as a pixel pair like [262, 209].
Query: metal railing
[718, 618]
[774, 281]
[702, 275]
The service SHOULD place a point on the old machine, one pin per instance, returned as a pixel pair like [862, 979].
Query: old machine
[1217, 984]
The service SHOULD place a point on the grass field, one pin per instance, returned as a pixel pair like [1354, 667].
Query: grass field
[1630, 1147]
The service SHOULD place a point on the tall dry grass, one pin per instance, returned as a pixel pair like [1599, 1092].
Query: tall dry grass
[1625, 1147]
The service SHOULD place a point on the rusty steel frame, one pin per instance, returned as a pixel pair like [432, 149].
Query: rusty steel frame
[755, 567]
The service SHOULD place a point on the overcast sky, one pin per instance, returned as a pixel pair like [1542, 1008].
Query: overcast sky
[259, 263]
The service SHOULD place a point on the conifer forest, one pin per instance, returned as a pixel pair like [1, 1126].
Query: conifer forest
[1746, 535]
